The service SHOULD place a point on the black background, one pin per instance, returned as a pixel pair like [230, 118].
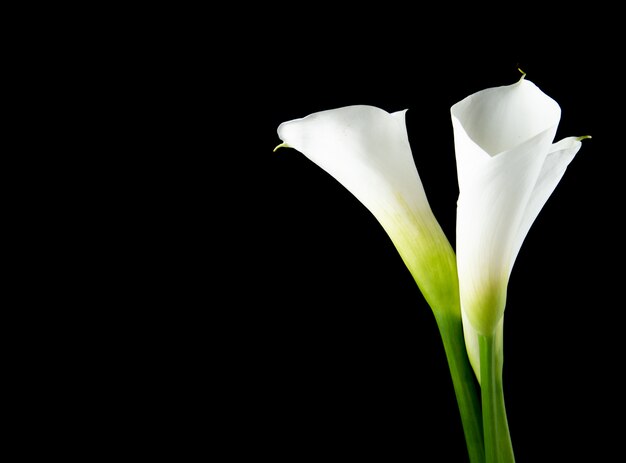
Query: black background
[336, 352]
[213, 296]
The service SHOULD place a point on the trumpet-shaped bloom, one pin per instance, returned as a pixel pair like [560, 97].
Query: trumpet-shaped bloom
[367, 150]
[507, 169]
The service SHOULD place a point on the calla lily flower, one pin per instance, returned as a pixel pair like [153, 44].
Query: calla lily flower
[507, 169]
[508, 166]
[367, 150]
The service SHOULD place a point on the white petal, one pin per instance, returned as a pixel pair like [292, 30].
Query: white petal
[367, 150]
[554, 167]
[502, 137]
[498, 119]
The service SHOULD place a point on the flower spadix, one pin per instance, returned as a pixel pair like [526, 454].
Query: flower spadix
[507, 169]
[367, 150]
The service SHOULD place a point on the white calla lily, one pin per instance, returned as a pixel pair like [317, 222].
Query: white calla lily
[367, 150]
[507, 169]
[508, 166]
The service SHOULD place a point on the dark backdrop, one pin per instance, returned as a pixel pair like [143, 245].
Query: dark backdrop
[338, 354]
[186, 292]
[270, 315]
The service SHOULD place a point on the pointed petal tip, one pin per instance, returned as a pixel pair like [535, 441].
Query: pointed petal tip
[282, 145]
[584, 137]
[523, 74]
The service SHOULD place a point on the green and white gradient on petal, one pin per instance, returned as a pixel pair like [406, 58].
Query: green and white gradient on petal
[507, 169]
[367, 150]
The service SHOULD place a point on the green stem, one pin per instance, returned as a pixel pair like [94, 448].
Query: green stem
[464, 383]
[498, 446]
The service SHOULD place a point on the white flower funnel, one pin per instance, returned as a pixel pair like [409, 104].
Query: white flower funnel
[367, 150]
[507, 169]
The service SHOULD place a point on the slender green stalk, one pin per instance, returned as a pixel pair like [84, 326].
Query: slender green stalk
[498, 446]
[451, 329]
